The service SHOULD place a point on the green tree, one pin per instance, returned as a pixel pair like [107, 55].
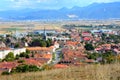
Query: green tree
[23, 54]
[53, 56]
[27, 51]
[89, 46]
[48, 43]
[17, 57]
[108, 57]
[9, 57]
[25, 68]
[94, 56]
[35, 42]
[43, 43]
[17, 45]
[21, 61]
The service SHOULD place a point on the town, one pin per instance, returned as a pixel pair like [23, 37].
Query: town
[46, 49]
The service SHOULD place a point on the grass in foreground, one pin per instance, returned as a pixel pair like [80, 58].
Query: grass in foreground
[88, 72]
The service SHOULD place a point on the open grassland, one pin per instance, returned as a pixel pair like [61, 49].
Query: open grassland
[6, 27]
[87, 72]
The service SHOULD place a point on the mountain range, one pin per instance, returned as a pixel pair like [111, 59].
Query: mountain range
[93, 11]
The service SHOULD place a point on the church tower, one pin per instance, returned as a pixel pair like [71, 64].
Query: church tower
[44, 35]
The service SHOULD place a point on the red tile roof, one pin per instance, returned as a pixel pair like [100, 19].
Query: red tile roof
[39, 48]
[32, 62]
[43, 56]
[85, 34]
[87, 39]
[4, 48]
[8, 65]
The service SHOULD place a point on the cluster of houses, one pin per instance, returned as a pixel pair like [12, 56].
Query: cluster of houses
[42, 55]
[73, 50]
[71, 42]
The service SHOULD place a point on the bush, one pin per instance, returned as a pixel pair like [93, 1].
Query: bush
[27, 51]
[21, 61]
[0, 60]
[25, 68]
[27, 56]
[23, 54]
[9, 57]
[93, 56]
[5, 73]
[16, 46]
[89, 47]
[17, 57]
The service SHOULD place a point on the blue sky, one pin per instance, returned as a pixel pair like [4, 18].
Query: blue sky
[46, 4]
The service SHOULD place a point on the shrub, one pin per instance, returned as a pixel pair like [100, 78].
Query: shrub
[5, 73]
[21, 61]
[9, 57]
[89, 47]
[25, 68]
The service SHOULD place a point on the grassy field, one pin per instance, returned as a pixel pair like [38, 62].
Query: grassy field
[88, 72]
[5, 27]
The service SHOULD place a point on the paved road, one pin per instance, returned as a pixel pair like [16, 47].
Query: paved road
[57, 56]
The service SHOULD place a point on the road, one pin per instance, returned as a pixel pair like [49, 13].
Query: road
[57, 56]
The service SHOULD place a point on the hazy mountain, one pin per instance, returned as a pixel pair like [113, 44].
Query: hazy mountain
[93, 11]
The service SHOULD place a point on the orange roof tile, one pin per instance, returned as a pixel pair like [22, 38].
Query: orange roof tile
[8, 65]
[4, 48]
[32, 62]
[39, 48]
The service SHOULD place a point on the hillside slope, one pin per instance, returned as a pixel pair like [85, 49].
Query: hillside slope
[88, 72]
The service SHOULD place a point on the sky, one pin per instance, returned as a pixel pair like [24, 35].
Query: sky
[47, 4]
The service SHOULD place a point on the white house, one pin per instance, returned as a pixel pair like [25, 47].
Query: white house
[4, 52]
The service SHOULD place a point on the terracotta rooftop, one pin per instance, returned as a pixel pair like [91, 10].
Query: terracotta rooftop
[32, 62]
[43, 56]
[86, 38]
[8, 65]
[71, 43]
[39, 48]
[4, 48]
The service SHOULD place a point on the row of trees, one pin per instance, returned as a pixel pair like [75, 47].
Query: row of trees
[103, 58]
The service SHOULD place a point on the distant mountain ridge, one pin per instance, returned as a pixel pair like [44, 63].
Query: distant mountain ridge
[93, 11]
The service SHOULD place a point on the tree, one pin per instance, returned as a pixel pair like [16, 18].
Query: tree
[43, 43]
[94, 56]
[17, 45]
[21, 61]
[9, 57]
[35, 42]
[23, 54]
[17, 57]
[89, 46]
[53, 56]
[25, 68]
[48, 43]
[108, 57]
[27, 51]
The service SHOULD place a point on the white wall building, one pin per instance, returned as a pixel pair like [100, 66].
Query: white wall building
[3, 53]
